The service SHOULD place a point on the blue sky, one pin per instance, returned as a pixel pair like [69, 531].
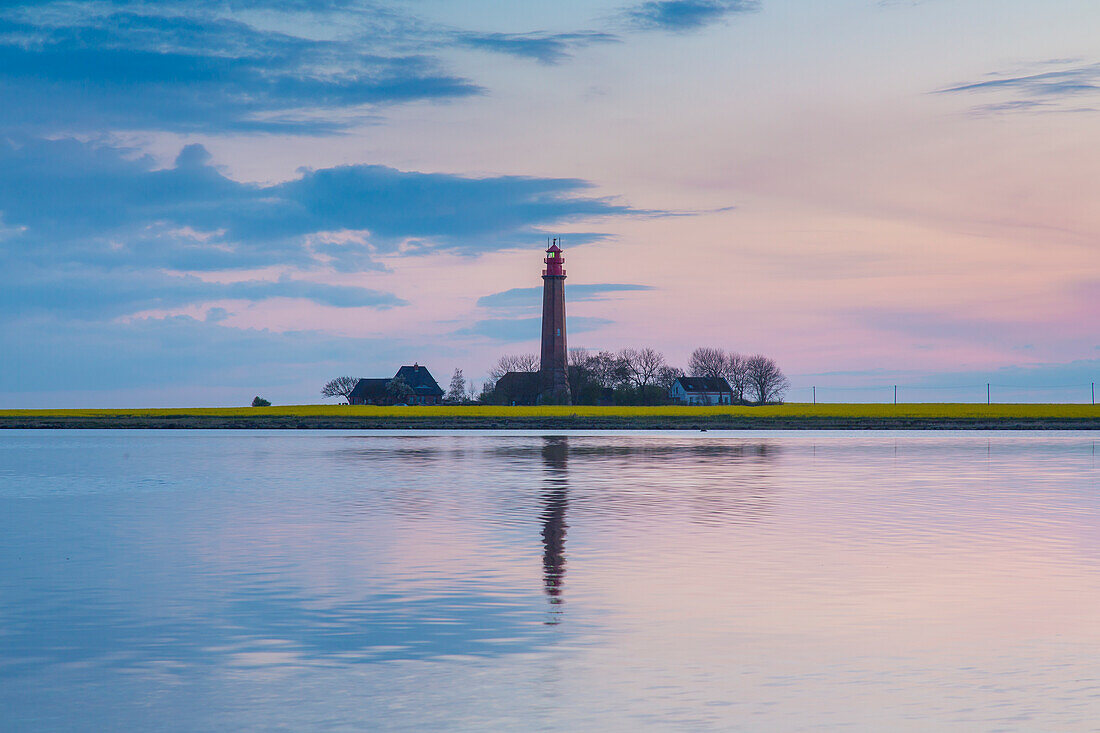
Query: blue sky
[204, 201]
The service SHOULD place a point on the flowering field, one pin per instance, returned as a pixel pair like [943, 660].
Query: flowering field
[925, 411]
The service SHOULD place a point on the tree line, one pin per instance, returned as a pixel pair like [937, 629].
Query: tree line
[627, 377]
[644, 376]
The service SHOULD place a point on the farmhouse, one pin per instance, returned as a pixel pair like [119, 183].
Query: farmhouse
[412, 385]
[517, 388]
[370, 392]
[701, 391]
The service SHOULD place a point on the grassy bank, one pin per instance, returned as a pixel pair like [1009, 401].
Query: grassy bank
[789, 416]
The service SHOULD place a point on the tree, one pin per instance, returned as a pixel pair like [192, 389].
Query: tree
[667, 376]
[766, 381]
[340, 387]
[580, 368]
[514, 363]
[398, 390]
[472, 391]
[580, 373]
[609, 370]
[717, 363]
[258, 401]
[457, 391]
[643, 365]
[579, 357]
[487, 395]
[708, 362]
[737, 374]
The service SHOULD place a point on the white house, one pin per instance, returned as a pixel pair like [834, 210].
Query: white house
[701, 391]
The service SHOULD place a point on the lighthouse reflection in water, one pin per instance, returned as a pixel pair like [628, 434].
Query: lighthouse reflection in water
[555, 455]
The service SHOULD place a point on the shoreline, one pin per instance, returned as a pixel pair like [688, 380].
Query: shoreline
[585, 422]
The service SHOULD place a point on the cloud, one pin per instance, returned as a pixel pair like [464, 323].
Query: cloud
[687, 15]
[182, 67]
[81, 219]
[1041, 91]
[101, 204]
[524, 298]
[526, 329]
[546, 48]
[97, 294]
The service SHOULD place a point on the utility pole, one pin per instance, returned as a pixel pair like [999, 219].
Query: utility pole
[895, 394]
[815, 395]
[987, 393]
[1093, 385]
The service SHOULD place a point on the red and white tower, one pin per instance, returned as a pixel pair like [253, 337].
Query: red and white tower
[554, 369]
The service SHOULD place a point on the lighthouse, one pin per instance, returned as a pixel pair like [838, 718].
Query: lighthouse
[553, 370]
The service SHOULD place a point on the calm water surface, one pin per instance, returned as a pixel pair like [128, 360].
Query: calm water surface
[193, 580]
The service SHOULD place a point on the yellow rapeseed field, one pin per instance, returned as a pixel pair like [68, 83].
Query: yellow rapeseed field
[791, 410]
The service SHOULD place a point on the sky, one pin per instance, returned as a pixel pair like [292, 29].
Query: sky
[204, 201]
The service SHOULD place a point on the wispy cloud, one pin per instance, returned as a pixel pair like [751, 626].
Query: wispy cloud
[525, 329]
[182, 67]
[687, 15]
[522, 298]
[85, 294]
[546, 48]
[1059, 89]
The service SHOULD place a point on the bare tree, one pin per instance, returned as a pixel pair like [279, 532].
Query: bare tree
[715, 363]
[580, 372]
[457, 391]
[736, 374]
[514, 363]
[766, 381]
[708, 362]
[609, 369]
[472, 391]
[667, 376]
[340, 387]
[643, 365]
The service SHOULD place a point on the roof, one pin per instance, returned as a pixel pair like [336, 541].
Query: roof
[519, 387]
[704, 384]
[420, 379]
[519, 380]
[368, 389]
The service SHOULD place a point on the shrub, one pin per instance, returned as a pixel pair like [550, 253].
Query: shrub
[258, 401]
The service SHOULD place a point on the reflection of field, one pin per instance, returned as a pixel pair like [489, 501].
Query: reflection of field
[950, 411]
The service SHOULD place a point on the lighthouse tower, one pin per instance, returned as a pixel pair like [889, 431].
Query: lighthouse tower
[553, 371]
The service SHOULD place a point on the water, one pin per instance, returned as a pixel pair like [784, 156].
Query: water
[193, 580]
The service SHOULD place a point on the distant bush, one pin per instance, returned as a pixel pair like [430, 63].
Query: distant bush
[258, 401]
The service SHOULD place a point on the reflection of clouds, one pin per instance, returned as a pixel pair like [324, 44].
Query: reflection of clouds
[256, 626]
[355, 549]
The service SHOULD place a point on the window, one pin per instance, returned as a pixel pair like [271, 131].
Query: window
[559, 332]
[550, 255]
